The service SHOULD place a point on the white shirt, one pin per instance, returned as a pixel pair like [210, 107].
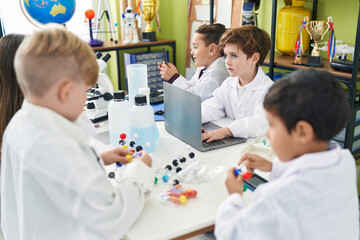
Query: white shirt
[211, 79]
[247, 111]
[53, 186]
[314, 197]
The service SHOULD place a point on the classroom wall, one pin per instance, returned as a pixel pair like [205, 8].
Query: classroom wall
[173, 21]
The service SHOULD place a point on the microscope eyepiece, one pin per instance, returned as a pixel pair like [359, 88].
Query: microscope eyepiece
[106, 57]
[98, 55]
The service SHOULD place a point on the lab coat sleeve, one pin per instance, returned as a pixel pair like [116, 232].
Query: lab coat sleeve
[81, 189]
[235, 221]
[278, 168]
[213, 108]
[250, 126]
[183, 83]
[113, 213]
[203, 89]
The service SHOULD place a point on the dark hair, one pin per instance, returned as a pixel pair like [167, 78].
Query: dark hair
[250, 39]
[212, 32]
[11, 97]
[312, 96]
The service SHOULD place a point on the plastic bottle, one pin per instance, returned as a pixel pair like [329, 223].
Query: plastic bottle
[146, 92]
[119, 118]
[142, 123]
[136, 78]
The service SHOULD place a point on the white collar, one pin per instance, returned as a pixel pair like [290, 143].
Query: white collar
[48, 119]
[257, 83]
[318, 160]
[220, 60]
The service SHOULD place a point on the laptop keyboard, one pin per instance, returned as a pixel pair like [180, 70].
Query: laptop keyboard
[213, 143]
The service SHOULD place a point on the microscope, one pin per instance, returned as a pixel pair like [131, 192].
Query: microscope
[249, 15]
[99, 96]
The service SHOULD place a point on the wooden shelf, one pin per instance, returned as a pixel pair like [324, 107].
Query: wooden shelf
[285, 62]
[110, 45]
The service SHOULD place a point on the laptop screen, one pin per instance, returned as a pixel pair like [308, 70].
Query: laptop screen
[182, 114]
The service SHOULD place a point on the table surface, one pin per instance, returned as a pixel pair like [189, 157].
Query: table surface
[160, 220]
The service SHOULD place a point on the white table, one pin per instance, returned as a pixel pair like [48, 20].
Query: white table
[160, 220]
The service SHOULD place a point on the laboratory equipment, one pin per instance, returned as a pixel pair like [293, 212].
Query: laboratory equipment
[99, 96]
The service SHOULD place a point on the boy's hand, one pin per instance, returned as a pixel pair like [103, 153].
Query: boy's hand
[167, 70]
[217, 134]
[234, 184]
[252, 161]
[146, 158]
[116, 155]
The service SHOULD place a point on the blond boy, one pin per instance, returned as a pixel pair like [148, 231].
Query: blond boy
[53, 184]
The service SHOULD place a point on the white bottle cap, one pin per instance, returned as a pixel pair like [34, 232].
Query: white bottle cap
[146, 92]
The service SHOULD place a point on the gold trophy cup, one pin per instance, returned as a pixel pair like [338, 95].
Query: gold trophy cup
[316, 30]
[149, 9]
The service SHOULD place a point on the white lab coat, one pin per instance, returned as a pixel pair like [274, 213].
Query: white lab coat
[314, 197]
[248, 112]
[211, 79]
[53, 186]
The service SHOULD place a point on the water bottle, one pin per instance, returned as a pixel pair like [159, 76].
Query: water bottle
[119, 118]
[146, 92]
[136, 78]
[142, 123]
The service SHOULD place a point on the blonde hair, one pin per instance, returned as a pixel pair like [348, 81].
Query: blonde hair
[51, 54]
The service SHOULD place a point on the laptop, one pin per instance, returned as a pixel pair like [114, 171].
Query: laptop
[183, 119]
[156, 96]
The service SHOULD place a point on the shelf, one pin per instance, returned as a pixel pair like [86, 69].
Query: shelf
[279, 61]
[356, 154]
[356, 138]
[357, 106]
[110, 45]
[285, 62]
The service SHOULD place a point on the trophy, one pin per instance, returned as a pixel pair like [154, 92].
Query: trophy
[149, 10]
[316, 30]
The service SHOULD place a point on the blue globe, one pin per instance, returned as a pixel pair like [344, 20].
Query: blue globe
[49, 11]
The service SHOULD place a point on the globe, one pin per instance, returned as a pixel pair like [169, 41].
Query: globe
[41, 12]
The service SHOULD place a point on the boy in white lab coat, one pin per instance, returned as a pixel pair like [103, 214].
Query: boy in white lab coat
[312, 192]
[241, 95]
[211, 70]
[53, 185]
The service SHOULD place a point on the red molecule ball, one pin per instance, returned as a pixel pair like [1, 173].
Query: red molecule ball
[246, 176]
[123, 136]
[89, 14]
[193, 193]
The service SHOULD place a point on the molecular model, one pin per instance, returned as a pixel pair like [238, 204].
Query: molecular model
[245, 175]
[90, 14]
[177, 165]
[178, 195]
[132, 147]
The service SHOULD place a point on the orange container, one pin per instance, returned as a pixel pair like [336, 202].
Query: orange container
[288, 27]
